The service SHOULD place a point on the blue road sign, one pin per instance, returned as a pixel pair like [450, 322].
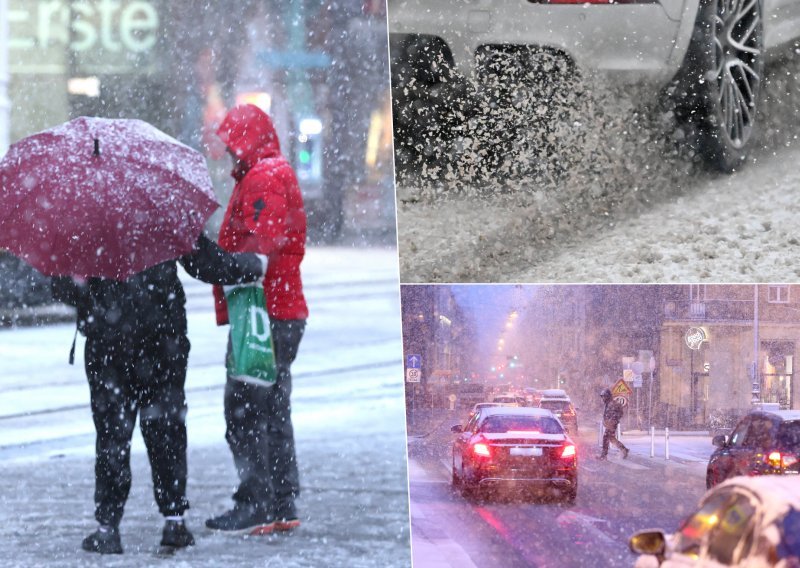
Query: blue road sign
[413, 362]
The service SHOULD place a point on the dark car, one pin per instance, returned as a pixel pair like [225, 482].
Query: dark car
[515, 447]
[745, 521]
[564, 410]
[762, 443]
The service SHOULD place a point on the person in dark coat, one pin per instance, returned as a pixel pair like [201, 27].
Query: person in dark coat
[266, 215]
[136, 357]
[612, 414]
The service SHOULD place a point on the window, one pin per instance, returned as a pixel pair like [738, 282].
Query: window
[725, 523]
[732, 536]
[778, 294]
[737, 436]
[759, 436]
[501, 424]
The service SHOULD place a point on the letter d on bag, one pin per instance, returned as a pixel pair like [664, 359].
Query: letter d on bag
[259, 324]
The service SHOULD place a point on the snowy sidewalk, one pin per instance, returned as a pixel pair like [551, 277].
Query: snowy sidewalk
[348, 413]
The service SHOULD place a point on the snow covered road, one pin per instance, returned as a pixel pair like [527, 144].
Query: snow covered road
[348, 410]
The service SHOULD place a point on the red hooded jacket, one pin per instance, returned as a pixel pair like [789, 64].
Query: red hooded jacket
[265, 213]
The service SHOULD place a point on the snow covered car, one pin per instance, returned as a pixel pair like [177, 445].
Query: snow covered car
[514, 447]
[563, 409]
[745, 521]
[711, 51]
[762, 443]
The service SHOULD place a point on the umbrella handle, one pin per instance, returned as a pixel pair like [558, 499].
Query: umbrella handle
[96, 146]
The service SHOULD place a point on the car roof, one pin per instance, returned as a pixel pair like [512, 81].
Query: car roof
[776, 492]
[784, 415]
[515, 411]
[554, 393]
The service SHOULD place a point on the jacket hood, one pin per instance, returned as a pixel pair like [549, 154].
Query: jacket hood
[249, 133]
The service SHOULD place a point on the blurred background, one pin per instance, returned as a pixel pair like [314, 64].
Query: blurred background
[319, 68]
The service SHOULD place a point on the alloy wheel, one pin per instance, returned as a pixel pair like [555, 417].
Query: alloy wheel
[738, 56]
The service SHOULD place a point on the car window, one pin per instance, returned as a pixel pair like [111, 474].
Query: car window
[554, 404]
[502, 424]
[737, 436]
[470, 425]
[760, 434]
[725, 522]
[732, 536]
[789, 435]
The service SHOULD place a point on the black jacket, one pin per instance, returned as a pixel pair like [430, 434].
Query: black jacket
[151, 303]
[612, 414]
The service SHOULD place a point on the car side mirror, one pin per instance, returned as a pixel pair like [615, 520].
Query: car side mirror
[720, 440]
[648, 542]
[457, 429]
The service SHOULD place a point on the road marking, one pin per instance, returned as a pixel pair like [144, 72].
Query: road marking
[587, 522]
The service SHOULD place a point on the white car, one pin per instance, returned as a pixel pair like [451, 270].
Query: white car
[745, 521]
[711, 51]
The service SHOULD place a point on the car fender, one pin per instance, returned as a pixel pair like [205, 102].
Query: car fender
[683, 38]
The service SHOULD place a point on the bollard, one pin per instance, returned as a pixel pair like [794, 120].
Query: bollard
[666, 443]
[652, 441]
[601, 431]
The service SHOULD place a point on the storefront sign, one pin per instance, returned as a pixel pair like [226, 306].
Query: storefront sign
[107, 31]
[695, 336]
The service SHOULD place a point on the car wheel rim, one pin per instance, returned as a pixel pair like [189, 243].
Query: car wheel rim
[738, 57]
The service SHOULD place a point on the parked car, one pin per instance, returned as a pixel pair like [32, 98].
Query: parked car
[762, 443]
[514, 447]
[563, 409]
[745, 521]
[707, 55]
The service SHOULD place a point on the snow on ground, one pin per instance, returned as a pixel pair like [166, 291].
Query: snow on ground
[348, 411]
[634, 206]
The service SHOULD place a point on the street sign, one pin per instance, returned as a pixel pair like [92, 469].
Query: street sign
[621, 388]
[413, 375]
[623, 401]
[413, 362]
[637, 381]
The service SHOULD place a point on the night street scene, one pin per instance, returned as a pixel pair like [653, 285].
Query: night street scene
[572, 142]
[207, 190]
[511, 389]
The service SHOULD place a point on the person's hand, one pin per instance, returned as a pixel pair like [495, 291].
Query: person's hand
[264, 264]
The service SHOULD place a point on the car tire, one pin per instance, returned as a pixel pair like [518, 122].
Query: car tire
[720, 81]
[469, 490]
[572, 494]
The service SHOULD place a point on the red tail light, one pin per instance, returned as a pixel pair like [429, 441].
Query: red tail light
[481, 449]
[779, 460]
[568, 451]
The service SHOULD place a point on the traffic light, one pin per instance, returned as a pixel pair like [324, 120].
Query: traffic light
[308, 150]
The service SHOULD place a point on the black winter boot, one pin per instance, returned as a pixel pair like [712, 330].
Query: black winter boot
[104, 540]
[176, 535]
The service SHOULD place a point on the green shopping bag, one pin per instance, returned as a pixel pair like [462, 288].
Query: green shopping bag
[252, 356]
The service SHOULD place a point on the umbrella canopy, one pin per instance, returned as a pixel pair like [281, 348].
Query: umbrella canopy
[102, 197]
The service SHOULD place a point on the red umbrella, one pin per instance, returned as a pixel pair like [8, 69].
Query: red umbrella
[102, 197]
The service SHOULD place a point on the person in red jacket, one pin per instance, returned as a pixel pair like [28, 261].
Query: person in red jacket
[265, 215]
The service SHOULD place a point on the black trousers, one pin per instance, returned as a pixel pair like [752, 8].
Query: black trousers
[146, 377]
[259, 429]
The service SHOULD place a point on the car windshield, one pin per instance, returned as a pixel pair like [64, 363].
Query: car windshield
[789, 435]
[502, 424]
